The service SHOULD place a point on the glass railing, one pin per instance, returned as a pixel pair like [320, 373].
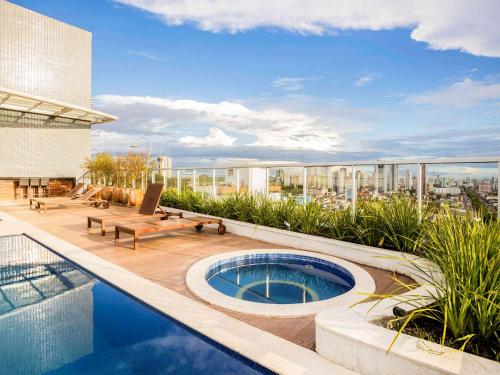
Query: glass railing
[461, 184]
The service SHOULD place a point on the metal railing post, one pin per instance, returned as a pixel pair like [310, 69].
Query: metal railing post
[419, 191]
[164, 173]
[214, 185]
[498, 189]
[385, 179]
[178, 181]
[194, 180]
[304, 187]
[238, 180]
[354, 190]
[267, 182]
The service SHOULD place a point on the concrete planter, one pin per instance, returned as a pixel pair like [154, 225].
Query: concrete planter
[366, 255]
[347, 336]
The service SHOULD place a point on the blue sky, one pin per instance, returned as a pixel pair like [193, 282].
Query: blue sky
[237, 81]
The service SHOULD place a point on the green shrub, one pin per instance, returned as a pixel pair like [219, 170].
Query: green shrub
[340, 224]
[464, 301]
[392, 224]
[467, 250]
[312, 219]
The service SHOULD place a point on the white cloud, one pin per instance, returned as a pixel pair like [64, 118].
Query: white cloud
[146, 55]
[270, 127]
[292, 83]
[443, 24]
[463, 94]
[365, 79]
[216, 137]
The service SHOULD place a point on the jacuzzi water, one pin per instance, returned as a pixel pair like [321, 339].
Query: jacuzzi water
[279, 278]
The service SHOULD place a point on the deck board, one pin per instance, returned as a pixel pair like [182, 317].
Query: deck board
[166, 257]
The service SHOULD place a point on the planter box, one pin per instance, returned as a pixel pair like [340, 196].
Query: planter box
[347, 336]
[366, 255]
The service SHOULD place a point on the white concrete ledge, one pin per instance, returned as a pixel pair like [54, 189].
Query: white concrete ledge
[346, 337]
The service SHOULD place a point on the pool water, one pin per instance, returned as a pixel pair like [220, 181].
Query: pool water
[279, 278]
[58, 319]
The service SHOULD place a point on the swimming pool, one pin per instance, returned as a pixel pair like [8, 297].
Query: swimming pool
[279, 278]
[56, 318]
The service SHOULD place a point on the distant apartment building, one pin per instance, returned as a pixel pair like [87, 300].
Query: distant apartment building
[484, 187]
[450, 190]
[45, 100]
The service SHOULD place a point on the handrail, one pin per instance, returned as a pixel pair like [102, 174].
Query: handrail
[351, 169]
[481, 159]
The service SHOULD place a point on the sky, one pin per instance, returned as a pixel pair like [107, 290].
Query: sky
[231, 82]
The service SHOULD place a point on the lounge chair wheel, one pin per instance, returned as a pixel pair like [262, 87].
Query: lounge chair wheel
[105, 205]
[221, 229]
[199, 227]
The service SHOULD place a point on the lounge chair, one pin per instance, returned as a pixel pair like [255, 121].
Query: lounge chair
[149, 209]
[72, 194]
[150, 227]
[88, 198]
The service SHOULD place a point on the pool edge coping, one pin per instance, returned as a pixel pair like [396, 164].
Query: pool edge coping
[264, 348]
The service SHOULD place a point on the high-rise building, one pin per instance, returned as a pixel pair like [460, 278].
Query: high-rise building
[340, 179]
[484, 187]
[407, 180]
[45, 100]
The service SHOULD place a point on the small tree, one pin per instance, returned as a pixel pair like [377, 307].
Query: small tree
[101, 168]
[122, 170]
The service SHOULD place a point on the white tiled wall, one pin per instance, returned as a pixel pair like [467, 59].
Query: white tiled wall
[34, 146]
[48, 58]
[44, 57]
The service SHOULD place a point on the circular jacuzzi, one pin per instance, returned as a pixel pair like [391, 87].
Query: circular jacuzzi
[279, 278]
[278, 282]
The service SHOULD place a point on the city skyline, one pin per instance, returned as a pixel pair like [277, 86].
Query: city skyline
[204, 89]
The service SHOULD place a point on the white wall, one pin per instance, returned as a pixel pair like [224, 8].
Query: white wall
[44, 57]
[35, 147]
[48, 58]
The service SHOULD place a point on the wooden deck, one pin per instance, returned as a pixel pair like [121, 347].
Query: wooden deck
[165, 258]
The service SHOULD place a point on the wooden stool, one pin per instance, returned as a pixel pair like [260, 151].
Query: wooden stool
[23, 188]
[34, 187]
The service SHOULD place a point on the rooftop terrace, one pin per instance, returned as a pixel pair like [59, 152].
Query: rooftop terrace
[165, 259]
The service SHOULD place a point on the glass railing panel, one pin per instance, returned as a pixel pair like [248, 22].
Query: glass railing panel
[320, 187]
[186, 179]
[252, 180]
[367, 181]
[286, 183]
[204, 182]
[407, 179]
[331, 185]
[243, 174]
[225, 181]
[169, 179]
[387, 179]
[462, 186]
